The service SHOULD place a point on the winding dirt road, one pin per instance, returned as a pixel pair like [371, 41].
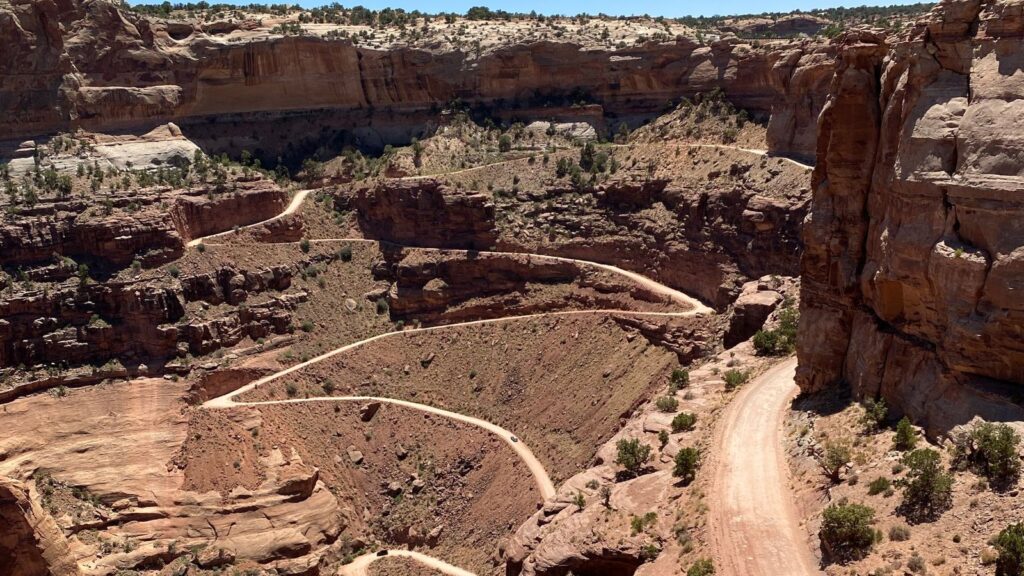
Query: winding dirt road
[360, 566]
[756, 529]
[294, 205]
[755, 526]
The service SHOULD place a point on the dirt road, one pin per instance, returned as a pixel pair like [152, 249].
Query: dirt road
[544, 484]
[359, 566]
[294, 205]
[755, 526]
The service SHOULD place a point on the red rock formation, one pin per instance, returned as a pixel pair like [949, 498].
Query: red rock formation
[913, 249]
[424, 213]
[31, 544]
[140, 321]
[87, 63]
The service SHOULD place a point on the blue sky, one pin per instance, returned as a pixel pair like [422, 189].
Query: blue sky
[669, 8]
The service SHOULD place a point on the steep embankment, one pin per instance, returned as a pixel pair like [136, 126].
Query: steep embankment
[914, 251]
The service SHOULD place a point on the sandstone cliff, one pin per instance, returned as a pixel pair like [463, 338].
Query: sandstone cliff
[914, 249]
[86, 63]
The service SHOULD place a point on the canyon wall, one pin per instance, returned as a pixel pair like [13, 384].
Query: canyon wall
[914, 247]
[86, 63]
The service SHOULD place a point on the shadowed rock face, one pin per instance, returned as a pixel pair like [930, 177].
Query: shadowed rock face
[31, 544]
[914, 249]
[86, 63]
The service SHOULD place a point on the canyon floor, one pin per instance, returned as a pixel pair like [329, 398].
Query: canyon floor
[597, 333]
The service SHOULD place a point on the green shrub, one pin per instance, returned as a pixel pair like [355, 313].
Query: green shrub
[174, 271]
[734, 378]
[382, 306]
[991, 450]
[201, 247]
[345, 253]
[702, 567]
[638, 524]
[680, 377]
[781, 340]
[684, 422]
[875, 412]
[906, 438]
[687, 462]
[504, 143]
[834, 458]
[304, 245]
[927, 489]
[1010, 545]
[846, 531]
[632, 455]
[667, 404]
[879, 485]
[307, 326]
[291, 390]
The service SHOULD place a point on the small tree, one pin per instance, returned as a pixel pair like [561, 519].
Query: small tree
[990, 449]
[606, 495]
[927, 489]
[504, 143]
[833, 459]
[632, 455]
[687, 462]
[906, 439]
[587, 156]
[680, 378]
[304, 245]
[846, 532]
[1010, 544]
[875, 412]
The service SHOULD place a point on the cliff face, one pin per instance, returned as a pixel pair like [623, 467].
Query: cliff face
[914, 248]
[86, 63]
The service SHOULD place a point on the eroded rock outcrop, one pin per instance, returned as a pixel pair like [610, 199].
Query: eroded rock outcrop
[88, 63]
[423, 213]
[31, 544]
[914, 252]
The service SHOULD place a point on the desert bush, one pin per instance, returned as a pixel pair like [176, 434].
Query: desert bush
[667, 404]
[906, 438]
[684, 422]
[638, 524]
[899, 533]
[846, 531]
[632, 455]
[307, 326]
[680, 378]
[927, 489]
[875, 412]
[916, 564]
[734, 378]
[345, 253]
[991, 450]
[382, 306]
[504, 143]
[687, 462]
[702, 567]
[781, 340]
[1010, 545]
[833, 458]
[304, 245]
[879, 485]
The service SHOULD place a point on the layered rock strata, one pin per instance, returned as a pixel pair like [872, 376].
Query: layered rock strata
[914, 251]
